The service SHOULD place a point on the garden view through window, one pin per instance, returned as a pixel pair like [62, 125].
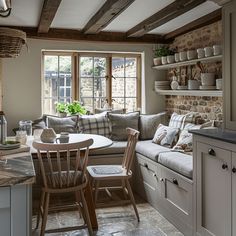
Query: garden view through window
[96, 81]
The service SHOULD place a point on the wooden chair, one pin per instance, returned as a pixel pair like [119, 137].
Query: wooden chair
[117, 172]
[61, 175]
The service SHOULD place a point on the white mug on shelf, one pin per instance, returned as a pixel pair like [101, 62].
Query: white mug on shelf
[208, 51]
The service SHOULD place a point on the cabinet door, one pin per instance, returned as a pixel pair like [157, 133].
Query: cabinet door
[229, 72]
[213, 190]
[233, 194]
[5, 210]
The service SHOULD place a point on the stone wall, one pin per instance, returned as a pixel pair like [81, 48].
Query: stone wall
[210, 108]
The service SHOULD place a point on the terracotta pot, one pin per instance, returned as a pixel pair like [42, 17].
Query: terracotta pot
[157, 61]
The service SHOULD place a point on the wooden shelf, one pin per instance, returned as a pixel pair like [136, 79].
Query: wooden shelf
[208, 93]
[187, 63]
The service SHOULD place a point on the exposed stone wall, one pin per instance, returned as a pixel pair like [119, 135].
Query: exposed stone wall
[210, 108]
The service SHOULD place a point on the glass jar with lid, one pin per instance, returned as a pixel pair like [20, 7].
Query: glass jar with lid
[26, 125]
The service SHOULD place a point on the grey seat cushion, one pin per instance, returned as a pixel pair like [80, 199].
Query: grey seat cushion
[118, 147]
[177, 161]
[149, 149]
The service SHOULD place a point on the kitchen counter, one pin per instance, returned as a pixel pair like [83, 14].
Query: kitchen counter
[16, 169]
[226, 136]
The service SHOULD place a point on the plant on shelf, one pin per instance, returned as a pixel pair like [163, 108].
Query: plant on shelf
[159, 53]
[75, 108]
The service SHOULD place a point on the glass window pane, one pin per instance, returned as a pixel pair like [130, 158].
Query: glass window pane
[50, 87]
[87, 103]
[62, 80]
[99, 87]
[118, 87]
[49, 105]
[86, 87]
[130, 88]
[68, 80]
[50, 66]
[86, 66]
[65, 63]
[130, 67]
[118, 67]
[99, 66]
[130, 104]
[62, 92]
[118, 103]
[68, 92]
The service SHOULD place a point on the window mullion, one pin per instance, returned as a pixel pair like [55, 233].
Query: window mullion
[109, 80]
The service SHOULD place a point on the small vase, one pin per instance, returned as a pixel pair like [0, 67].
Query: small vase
[157, 61]
[48, 136]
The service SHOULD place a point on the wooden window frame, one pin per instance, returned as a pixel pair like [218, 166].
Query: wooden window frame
[76, 73]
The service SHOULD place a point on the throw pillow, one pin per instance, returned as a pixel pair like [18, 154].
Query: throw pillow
[65, 124]
[185, 142]
[149, 123]
[95, 124]
[117, 111]
[165, 135]
[39, 123]
[119, 123]
[176, 120]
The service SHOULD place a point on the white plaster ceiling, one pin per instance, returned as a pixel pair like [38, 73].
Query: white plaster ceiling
[138, 11]
[186, 18]
[74, 14]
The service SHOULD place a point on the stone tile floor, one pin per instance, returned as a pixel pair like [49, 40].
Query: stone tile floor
[115, 221]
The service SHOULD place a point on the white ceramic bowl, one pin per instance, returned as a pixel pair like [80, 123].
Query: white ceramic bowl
[207, 79]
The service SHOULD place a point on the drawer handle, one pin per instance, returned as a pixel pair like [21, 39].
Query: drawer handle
[224, 166]
[175, 181]
[234, 170]
[145, 165]
[211, 152]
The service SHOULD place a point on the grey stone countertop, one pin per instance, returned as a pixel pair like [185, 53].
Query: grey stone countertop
[16, 169]
[226, 136]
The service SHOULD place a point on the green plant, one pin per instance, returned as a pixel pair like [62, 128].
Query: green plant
[75, 108]
[164, 51]
[161, 52]
[61, 107]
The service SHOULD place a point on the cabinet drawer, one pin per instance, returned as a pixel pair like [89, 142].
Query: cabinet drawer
[177, 194]
[148, 177]
[4, 197]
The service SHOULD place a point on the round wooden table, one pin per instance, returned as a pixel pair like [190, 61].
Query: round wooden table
[98, 142]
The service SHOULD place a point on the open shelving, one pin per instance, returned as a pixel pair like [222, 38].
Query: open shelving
[200, 93]
[188, 63]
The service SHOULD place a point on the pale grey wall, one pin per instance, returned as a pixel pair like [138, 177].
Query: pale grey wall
[22, 81]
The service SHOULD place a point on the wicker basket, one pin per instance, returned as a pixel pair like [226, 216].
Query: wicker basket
[11, 41]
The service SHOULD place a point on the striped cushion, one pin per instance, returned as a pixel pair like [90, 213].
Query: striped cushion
[95, 124]
[176, 121]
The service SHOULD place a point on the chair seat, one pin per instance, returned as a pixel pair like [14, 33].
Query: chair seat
[108, 171]
[67, 180]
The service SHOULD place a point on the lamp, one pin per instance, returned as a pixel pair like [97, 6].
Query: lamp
[5, 8]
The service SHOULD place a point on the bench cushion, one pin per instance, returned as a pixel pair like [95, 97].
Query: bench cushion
[149, 149]
[177, 161]
[115, 148]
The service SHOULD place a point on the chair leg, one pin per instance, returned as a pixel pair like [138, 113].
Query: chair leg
[39, 209]
[132, 198]
[45, 214]
[78, 200]
[124, 190]
[86, 213]
[97, 182]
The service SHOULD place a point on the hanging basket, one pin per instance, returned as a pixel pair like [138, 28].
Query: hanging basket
[11, 41]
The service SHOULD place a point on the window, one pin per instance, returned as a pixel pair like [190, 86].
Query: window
[94, 79]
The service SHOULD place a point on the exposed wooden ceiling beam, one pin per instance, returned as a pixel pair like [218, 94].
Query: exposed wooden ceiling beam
[168, 13]
[47, 14]
[107, 13]
[203, 21]
[75, 35]
[221, 2]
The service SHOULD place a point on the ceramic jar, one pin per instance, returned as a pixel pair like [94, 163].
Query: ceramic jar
[200, 53]
[48, 136]
[217, 50]
[208, 51]
[191, 54]
[176, 57]
[170, 59]
[157, 61]
[183, 56]
[164, 60]
[208, 79]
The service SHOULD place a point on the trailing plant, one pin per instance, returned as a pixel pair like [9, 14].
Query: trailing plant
[164, 51]
[61, 107]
